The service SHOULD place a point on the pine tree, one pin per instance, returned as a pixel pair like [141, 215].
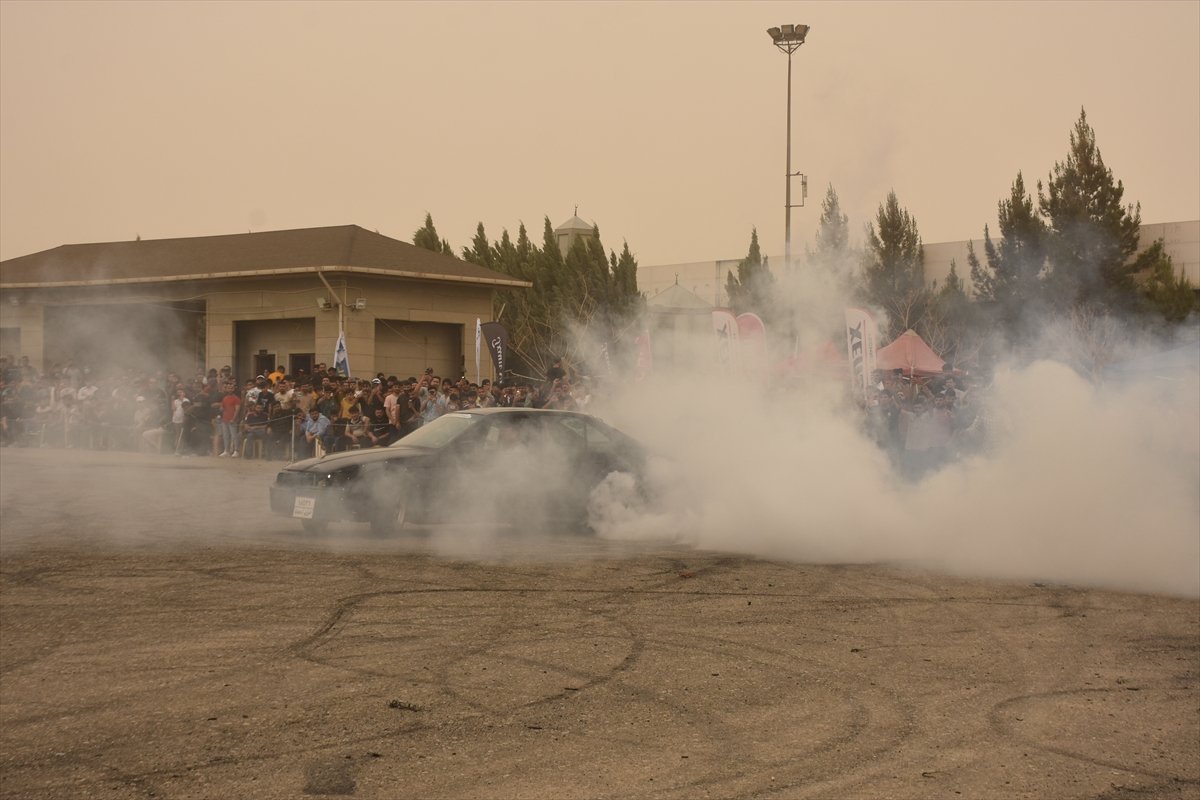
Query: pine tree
[427, 237]
[832, 253]
[1170, 295]
[754, 286]
[624, 272]
[1010, 284]
[585, 290]
[894, 267]
[1093, 235]
[951, 325]
[1015, 263]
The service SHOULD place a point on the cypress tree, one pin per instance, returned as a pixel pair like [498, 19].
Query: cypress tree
[753, 287]
[427, 237]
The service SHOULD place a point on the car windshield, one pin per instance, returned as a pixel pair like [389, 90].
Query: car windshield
[439, 433]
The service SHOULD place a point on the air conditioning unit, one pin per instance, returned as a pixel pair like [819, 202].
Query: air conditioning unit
[323, 303]
[360, 303]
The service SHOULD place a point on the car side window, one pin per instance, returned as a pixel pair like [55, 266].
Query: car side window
[568, 432]
[598, 440]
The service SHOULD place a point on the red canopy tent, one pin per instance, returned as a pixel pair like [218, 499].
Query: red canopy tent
[909, 353]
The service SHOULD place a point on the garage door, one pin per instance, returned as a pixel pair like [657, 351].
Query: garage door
[126, 336]
[405, 349]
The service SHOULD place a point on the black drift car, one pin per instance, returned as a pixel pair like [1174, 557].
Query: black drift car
[502, 465]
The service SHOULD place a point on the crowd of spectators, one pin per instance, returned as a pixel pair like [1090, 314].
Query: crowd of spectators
[275, 415]
[921, 422]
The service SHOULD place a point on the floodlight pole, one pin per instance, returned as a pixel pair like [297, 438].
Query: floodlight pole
[788, 39]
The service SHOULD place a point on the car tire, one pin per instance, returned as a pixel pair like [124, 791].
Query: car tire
[316, 526]
[390, 519]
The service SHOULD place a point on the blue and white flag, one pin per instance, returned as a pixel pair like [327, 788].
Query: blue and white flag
[478, 339]
[341, 361]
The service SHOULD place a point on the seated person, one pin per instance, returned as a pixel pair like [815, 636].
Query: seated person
[317, 429]
[254, 428]
[381, 433]
[356, 431]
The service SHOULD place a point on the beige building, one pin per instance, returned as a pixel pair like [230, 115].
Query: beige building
[251, 301]
[707, 278]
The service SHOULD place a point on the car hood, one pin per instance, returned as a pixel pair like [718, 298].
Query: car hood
[334, 461]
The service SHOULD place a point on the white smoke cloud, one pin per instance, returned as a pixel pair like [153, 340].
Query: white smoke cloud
[1090, 483]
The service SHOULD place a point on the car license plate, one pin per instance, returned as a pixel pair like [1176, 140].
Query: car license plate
[304, 507]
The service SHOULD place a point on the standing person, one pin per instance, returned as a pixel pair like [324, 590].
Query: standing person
[391, 403]
[429, 406]
[146, 417]
[303, 398]
[374, 398]
[179, 419]
[407, 418]
[203, 412]
[265, 394]
[347, 399]
[328, 404]
[231, 408]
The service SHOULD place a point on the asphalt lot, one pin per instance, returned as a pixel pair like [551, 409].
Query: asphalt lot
[161, 635]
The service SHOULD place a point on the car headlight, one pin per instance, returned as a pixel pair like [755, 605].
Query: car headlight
[340, 477]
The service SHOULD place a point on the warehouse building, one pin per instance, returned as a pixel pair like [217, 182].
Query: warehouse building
[251, 301]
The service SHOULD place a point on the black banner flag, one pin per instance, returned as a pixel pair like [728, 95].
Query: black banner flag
[496, 338]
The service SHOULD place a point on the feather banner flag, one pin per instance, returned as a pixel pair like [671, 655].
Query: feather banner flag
[478, 339]
[862, 337]
[341, 360]
[495, 336]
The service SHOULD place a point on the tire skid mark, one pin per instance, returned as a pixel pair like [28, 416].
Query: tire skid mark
[193, 767]
[1002, 725]
[836, 778]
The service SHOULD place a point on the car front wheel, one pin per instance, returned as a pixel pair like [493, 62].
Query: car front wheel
[315, 526]
[390, 518]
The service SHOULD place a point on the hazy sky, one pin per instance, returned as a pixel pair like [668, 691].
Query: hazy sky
[664, 122]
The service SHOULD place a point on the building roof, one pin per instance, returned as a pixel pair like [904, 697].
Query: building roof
[575, 224]
[676, 297]
[341, 248]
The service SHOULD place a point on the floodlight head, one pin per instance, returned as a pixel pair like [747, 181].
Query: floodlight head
[788, 37]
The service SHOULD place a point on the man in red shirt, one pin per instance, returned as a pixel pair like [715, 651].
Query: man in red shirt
[231, 407]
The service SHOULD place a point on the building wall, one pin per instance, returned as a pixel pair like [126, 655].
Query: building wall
[297, 298]
[23, 324]
[705, 279]
[280, 338]
[405, 349]
[1181, 241]
[229, 307]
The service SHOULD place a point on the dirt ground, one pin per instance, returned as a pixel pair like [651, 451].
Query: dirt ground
[161, 635]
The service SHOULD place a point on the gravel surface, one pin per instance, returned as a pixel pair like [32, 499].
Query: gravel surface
[162, 635]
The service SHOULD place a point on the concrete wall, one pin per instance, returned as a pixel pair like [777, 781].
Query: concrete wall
[26, 321]
[229, 305]
[707, 278]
